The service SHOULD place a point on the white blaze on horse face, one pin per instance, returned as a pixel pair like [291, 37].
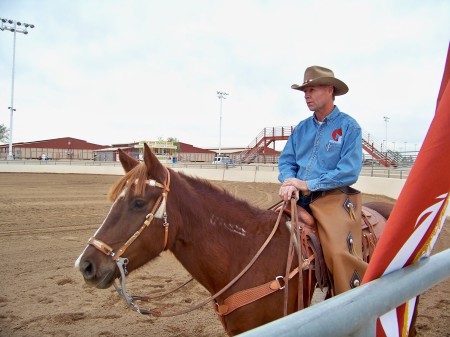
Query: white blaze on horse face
[122, 195]
[217, 221]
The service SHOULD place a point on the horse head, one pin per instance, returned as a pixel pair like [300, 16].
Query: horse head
[135, 229]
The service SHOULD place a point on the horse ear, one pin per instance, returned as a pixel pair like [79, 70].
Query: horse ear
[128, 162]
[154, 166]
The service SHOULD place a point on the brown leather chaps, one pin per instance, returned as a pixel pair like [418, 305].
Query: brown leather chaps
[338, 216]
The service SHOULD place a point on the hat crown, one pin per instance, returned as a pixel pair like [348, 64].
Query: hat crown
[317, 76]
[315, 72]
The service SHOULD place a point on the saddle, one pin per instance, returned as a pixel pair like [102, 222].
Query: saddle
[313, 260]
[372, 224]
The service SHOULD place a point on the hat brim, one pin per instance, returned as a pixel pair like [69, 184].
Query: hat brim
[340, 88]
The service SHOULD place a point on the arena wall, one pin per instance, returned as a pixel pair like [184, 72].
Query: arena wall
[390, 187]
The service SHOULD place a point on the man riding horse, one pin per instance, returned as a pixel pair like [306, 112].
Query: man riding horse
[321, 159]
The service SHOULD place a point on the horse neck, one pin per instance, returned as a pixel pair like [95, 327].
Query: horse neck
[211, 227]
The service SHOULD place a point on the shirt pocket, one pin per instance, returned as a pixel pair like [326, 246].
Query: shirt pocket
[330, 155]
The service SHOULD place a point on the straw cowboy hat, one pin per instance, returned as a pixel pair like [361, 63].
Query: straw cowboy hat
[316, 75]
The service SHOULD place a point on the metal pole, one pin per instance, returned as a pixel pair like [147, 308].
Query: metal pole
[11, 108]
[15, 27]
[221, 96]
[220, 127]
[386, 119]
[349, 314]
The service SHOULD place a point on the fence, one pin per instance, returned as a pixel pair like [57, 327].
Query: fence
[368, 171]
[355, 312]
[30, 153]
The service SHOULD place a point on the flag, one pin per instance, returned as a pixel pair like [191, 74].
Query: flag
[419, 213]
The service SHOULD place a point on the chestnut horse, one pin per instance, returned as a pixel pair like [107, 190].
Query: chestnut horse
[213, 235]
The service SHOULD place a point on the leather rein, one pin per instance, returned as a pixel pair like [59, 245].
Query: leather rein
[158, 211]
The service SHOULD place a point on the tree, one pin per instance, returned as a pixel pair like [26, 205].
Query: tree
[4, 133]
[175, 141]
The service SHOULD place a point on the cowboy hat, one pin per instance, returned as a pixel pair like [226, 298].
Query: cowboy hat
[315, 76]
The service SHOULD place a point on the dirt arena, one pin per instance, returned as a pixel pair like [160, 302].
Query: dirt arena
[46, 220]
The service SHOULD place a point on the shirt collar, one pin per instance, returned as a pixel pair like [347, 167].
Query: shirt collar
[333, 115]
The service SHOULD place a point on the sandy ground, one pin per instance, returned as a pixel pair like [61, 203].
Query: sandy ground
[46, 220]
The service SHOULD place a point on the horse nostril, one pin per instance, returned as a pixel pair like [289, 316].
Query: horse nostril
[88, 270]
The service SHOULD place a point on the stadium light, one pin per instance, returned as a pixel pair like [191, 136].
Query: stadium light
[221, 95]
[15, 27]
[386, 120]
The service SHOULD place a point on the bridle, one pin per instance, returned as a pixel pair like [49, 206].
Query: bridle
[158, 211]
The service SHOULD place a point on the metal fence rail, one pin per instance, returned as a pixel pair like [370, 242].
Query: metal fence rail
[370, 171]
[355, 312]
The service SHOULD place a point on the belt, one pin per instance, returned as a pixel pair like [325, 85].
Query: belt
[312, 196]
[317, 194]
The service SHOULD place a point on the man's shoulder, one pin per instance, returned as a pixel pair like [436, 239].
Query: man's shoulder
[304, 122]
[347, 119]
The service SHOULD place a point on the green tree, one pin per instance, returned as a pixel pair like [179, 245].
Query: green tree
[4, 133]
[175, 141]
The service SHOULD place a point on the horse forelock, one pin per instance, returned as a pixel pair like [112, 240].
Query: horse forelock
[136, 178]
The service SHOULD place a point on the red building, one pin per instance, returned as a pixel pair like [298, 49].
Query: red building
[54, 149]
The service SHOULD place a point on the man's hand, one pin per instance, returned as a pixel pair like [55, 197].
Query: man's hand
[290, 186]
[298, 184]
[286, 192]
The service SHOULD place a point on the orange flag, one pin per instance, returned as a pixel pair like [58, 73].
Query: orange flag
[419, 213]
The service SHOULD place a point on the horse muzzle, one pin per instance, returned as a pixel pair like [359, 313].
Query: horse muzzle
[98, 274]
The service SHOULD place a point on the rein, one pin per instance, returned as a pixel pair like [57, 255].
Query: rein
[157, 312]
[158, 209]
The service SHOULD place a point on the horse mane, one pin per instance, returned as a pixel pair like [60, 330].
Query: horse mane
[219, 197]
[205, 186]
[138, 175]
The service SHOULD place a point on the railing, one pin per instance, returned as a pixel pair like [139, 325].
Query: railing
[355, 312]
[251, 151]
[371, 171]
[59, 162]
[370, 144]
[386, 157]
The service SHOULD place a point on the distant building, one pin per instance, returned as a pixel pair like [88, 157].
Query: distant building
[52, 149]
[190, 153]
[166, 152]
[112, 153]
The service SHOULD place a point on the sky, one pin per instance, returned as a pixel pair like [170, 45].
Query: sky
[110, 71]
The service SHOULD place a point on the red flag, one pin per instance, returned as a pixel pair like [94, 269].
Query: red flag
[419, 213]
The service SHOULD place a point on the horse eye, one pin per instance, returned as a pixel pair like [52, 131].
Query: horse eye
[138, 203]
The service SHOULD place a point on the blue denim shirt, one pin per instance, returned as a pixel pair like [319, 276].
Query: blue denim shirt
[326, 155]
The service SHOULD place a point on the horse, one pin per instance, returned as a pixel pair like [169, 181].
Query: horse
[211, 233]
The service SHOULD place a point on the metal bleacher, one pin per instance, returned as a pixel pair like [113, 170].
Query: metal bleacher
[259, 149]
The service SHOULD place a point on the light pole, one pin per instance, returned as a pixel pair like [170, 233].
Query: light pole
[69, 151]
[15, 27]
[386, 120]
[221, 95]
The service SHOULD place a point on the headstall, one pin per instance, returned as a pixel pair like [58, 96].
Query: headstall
[158, 211]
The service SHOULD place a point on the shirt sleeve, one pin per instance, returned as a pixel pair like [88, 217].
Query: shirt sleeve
[347, 169]
[287, 164]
